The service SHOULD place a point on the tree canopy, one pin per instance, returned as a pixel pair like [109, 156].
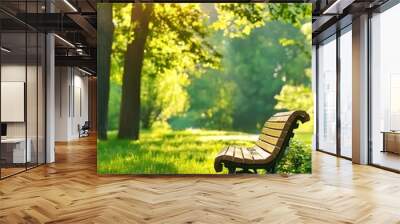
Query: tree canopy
[213, 65]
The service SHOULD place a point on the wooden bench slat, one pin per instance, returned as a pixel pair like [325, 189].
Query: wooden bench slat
[261, 152]
[247, 156]
[283, 113]
[230, 151]
[273, 132]
[238, 157]
[269, 139]
[280, 119]
[275, 125]
[272, 140]
[256, 156]
[267, 147]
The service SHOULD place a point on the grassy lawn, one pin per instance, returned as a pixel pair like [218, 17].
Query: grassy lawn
[170, 152]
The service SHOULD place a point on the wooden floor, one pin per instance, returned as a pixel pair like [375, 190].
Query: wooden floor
[70, 191]
[386, 159]
[5, 172]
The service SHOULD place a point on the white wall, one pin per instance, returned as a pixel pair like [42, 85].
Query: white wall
[12, 73]
[33, 126]
[62, 81]
[71, 102]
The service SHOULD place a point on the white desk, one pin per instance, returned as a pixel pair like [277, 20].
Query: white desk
[18, 149]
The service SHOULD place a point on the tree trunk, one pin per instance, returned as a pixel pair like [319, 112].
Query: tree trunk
[129, 123]
[105, 40]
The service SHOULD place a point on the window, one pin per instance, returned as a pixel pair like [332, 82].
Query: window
[346, 92]
[385, 89]
[327, 95]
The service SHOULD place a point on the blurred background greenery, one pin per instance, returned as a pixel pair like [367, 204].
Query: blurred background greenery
[220, 69]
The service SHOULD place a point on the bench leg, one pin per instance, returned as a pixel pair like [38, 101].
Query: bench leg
[271, 169]
[231, 170]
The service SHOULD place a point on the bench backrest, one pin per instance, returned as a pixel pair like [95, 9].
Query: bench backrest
[278, 130]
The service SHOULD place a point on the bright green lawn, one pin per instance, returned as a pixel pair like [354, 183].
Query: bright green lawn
[169, 152]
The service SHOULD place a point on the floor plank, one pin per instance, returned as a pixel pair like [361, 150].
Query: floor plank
[70, 191]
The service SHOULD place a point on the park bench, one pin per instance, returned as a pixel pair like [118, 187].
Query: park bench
[269, 148]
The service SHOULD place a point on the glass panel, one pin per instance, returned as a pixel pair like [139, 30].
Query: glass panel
[346, 94]
[31, 98]
[22, 88]
[41, 99]
[385, 84]
[327, 96]
[32, 87]
[14, 153]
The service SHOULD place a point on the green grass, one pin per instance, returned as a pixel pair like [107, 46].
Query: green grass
[169, 152]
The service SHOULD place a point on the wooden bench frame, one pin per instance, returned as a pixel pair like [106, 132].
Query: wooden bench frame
[232, 163]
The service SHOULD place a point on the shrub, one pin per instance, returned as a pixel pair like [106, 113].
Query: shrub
[297, 158]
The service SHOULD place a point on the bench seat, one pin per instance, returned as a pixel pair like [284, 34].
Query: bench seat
[269, 148]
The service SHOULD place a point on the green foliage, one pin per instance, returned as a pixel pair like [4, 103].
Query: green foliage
[211, 97]
[184, 152]
[220, 67]
[268, 67]
[175, 49]
[237, 20]
[163, 96]
[297, 98]
[122, 36]
[219, 99]
[292, 13]
[297, 158]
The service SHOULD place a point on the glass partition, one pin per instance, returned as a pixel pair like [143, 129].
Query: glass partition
[346, 92]
[32, 97]
[14, 153]
[385, 89]
[41, 96]
[22, 88]
[327, 95]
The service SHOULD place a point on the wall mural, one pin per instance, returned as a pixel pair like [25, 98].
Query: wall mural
[204, 88]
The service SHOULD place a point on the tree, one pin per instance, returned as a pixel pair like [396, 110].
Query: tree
[105, 40]
[130, 103]
[166, 48]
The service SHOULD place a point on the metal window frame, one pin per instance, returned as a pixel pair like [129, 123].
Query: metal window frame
[339, 32]
[381, 9]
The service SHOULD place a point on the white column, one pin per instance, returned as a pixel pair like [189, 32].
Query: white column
[50, 94]
[360, 90]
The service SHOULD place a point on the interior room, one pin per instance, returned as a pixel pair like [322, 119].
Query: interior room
[22, 98]
[48, 82]
[72, 106]
[48, 150]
